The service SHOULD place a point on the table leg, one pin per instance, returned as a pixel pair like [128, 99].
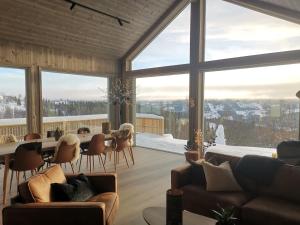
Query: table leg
[6, 170]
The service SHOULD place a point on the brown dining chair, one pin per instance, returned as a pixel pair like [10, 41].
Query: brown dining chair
[84, 130]
[67, 151]
[119, 143]
[96, 148]
[32, 136]
[27, 157]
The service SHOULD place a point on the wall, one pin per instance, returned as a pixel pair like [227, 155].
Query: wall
[35, 58]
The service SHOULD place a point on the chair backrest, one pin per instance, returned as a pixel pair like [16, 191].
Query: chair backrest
[50, 133]
[121, 139]
[32, 136]
[97, 145]
[65, 153]
[83, 130]
[289, 151]
[28, 156]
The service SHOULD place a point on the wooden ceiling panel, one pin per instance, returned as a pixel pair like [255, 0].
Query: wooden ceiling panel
[53, 24]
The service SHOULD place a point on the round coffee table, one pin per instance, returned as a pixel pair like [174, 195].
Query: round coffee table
[157, 216]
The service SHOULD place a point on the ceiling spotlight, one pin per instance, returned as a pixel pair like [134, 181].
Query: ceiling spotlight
[72, 6]
[120, 22]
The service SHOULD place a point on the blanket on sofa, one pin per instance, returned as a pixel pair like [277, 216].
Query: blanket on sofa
[260, 169]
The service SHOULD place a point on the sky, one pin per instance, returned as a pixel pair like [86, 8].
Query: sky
[231, 31]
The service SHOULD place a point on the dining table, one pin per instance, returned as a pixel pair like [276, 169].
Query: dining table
[48, 145]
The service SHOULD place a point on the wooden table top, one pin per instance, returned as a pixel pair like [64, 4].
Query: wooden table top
[47, 143]
[157, 216]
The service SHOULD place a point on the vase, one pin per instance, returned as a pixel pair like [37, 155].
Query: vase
[191, 155]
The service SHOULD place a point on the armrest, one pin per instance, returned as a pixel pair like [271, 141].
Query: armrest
[103, 182]
[181, 176]
[67, 213]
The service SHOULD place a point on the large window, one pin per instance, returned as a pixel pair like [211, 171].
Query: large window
[162, 111]
[170, 47]
[252, 107]
[233, 31]
[72, 101]
[12, 102]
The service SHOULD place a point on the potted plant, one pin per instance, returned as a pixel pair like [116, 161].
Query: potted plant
[194, 147]
[225, 216]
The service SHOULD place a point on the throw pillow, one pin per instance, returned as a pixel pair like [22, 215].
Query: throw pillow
[220, 178]
[76, 189]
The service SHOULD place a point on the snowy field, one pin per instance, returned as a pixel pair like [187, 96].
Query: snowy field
[169, 144]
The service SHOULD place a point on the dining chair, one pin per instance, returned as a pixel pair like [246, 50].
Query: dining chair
[84, 130]
[27, 157]
[96, 148]
[10, 138]
[128, 127]
[32, 136]
[67, 151]
[119, 143]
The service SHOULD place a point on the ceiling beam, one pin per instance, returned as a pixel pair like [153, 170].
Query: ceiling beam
[270, 9]
[155, 29]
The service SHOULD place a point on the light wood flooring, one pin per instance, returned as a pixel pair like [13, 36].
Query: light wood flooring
[142, 185]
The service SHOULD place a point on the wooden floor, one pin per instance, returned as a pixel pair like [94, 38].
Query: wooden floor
[140, 186]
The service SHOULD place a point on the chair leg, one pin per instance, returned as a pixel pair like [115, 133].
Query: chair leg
[87, 162]
[103, 164]
[80, 163]
[24, 175]
[131, 154]
[125, 158]
[90, 159]
[93, 163]
[71, 164]
[18, 178]
[11, 179]
[115, 160]
[105, 158]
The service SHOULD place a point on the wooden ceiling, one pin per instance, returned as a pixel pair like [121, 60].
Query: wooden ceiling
[51, 23]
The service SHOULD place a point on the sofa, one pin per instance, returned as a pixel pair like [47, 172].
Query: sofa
[35, 206]
[276, 204]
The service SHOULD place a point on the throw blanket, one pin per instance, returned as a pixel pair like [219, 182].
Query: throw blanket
[260, 169]
[70, 139]
[5, 139]
[128, 127]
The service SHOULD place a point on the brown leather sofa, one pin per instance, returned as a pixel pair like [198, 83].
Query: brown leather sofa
[277, 204]
[34, 205]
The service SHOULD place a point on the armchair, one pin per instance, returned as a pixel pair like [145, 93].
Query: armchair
[99, 210]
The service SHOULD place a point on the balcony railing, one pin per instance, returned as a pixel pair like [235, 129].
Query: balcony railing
[148, 123]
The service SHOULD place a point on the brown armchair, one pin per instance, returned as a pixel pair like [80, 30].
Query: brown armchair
[99, 210]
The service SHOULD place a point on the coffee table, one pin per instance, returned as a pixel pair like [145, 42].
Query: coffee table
[157, 216]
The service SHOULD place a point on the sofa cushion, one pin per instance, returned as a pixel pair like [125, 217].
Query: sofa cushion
[111, 201]
[39, 186]
[55, 174]
[286, 184]
[77, 189]
[220, 178]
[196, 199]
[267, 210]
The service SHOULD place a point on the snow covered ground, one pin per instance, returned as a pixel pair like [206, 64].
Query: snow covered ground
[169, 144]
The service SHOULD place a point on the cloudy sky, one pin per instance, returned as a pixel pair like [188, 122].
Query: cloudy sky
[231, 31]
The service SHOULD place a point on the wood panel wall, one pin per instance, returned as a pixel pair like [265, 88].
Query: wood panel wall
[35, 58]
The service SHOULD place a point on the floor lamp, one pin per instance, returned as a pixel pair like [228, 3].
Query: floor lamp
[298, 96]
